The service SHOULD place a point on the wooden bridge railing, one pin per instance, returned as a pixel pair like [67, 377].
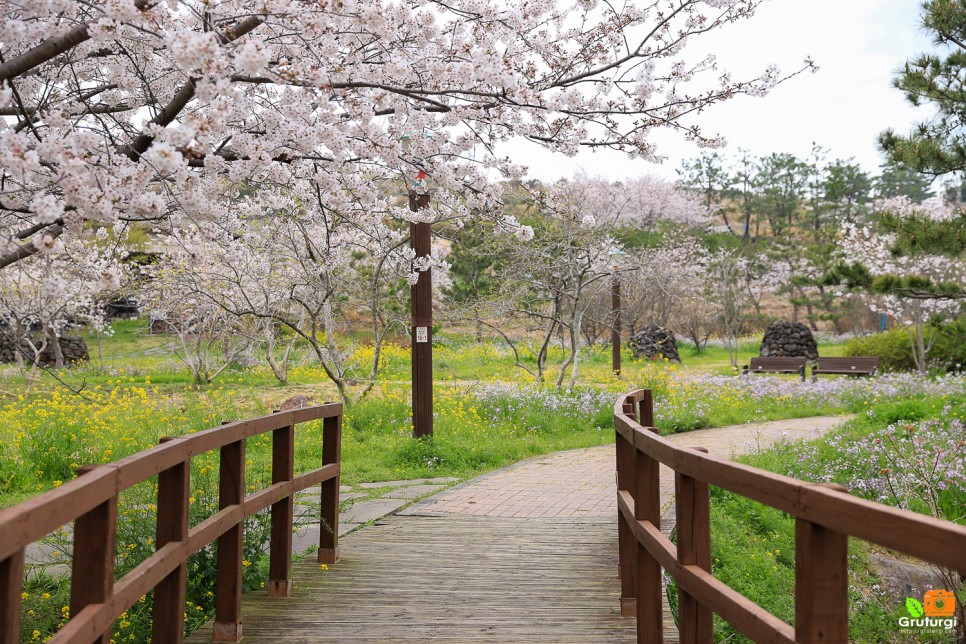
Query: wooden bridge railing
[91, 502]
[825, 515]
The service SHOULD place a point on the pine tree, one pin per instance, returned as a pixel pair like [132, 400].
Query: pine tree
[936, 146]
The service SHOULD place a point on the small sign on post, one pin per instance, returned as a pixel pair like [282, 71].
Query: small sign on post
[422, 334]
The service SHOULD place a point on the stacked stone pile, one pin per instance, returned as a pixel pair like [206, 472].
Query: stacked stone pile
[74, 349]
[653, 342]
[785, 339]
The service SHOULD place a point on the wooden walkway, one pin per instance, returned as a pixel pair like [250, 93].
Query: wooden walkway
[524, 554]
[455, 579]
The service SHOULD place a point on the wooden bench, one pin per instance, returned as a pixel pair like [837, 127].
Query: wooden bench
[776, 365]
[850, 366]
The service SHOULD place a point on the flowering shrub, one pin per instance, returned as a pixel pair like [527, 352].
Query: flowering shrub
[918, 466]
[914, 464]
[906, 453]
[909, 454]
[45, 438]
[503, 399]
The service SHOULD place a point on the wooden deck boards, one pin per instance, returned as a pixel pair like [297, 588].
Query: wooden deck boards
[453, 578]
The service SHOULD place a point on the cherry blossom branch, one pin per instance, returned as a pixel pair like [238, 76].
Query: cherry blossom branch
[24, 251]
[53, 47]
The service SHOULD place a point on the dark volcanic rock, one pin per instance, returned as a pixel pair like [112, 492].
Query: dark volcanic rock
[653, 341]
[785, 339]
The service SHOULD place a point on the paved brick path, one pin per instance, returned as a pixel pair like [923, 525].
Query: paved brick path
[581, 483]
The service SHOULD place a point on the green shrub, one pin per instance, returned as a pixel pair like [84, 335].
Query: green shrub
[949, 352]
[894, 349]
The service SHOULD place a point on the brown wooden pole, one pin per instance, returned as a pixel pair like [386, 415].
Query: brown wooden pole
[169, 594]
[647, 507]
[92, 570]
[821, 582]
[615, 337]
[228, 584]
[647, 408]
[331, 453]
[420, 237]
[11, 585]
[280, 550]
[693, 515]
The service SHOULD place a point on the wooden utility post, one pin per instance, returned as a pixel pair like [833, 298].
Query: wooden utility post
[615, 307]
[420, 238]
[615, 337]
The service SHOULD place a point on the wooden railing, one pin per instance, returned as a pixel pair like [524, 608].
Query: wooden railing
[91, 502]
[825, 517]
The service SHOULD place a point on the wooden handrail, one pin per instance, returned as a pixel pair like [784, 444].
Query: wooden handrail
[90, 500]
[825, 517]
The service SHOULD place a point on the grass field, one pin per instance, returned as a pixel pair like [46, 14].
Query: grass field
[488, 411]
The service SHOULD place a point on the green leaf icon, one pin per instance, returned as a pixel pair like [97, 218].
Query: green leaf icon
[914, 607]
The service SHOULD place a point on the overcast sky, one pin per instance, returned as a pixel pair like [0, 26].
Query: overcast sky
[857, 44]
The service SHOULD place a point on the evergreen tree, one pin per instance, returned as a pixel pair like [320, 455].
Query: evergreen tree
[708, 176]
[930, 235]
[936, 146]
[896, 180]
[846, 189]
[781, 181]
[473, 273]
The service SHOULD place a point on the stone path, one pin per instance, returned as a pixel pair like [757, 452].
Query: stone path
[526, 553]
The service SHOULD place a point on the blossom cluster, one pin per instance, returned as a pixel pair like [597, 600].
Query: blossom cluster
[162, 112]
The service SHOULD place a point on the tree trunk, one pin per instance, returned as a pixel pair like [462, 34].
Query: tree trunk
[575, 340]
[278, 369]
[54, 343]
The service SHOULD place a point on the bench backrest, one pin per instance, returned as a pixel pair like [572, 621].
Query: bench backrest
[777, 363]
[860, 363]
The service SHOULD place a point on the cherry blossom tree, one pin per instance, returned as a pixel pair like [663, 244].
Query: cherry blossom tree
[641, 201]
[675, 278]
[320, 273]
[548, 279]
[905, 278]
[48, 292]
[208, 337]
[125, 111]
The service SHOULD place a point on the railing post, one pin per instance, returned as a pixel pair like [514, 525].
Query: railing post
[169, 594]
[11, 585]
[228, 585]
[331, 454]
[647, 408]
[626, 548]
[821, 582]
[647, 507]
[693, 517]
[280, 553]
[92, 569]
